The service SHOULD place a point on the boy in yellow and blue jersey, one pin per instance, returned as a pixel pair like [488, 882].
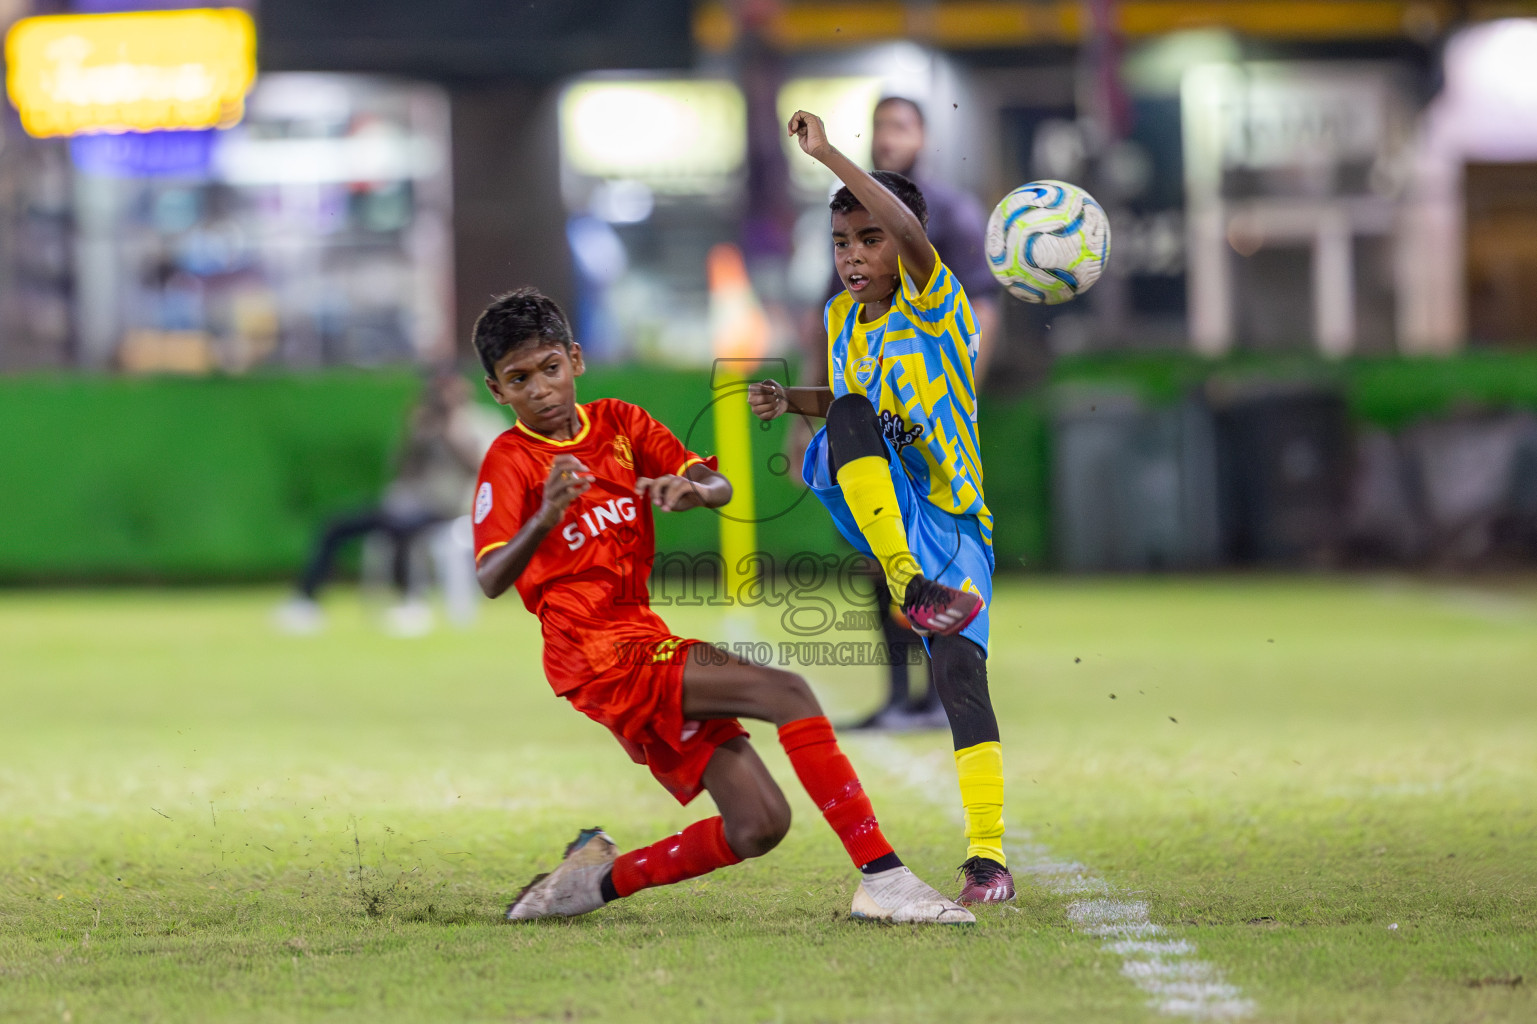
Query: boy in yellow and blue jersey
[897, 465]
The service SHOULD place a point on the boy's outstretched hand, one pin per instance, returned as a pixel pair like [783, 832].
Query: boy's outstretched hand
[568, 480]
[810, 133]
[768, 400]
[670, 493]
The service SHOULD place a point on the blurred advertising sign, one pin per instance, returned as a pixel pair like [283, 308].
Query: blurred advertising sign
[380, 153]
[682, 136]
[131, 72]
[1268, 117]
[183, 154]
[1294, 172]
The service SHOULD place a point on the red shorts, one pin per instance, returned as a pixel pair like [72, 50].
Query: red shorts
[641, 702]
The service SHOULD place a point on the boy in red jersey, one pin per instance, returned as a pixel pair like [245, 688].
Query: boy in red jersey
[563, 511]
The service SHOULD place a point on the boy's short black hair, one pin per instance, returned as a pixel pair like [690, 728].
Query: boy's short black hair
[899, 185]
[524, 317]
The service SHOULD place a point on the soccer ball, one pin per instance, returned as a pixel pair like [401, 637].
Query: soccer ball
[1048, 241]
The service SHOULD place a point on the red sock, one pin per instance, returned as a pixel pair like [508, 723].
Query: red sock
[833, 786]
[697, 850]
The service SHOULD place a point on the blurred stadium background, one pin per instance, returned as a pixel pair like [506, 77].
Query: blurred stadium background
[237, 244]
[1316, 344]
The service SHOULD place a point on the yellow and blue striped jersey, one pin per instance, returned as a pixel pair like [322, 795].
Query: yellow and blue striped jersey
[915, 366]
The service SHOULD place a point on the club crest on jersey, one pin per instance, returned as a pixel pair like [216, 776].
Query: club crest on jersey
[482, 503]
[598, 519]
[623, 454]
[896, 432]
[864, 371]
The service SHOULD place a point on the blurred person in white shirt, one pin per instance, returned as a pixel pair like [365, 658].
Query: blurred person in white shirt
[434, 484]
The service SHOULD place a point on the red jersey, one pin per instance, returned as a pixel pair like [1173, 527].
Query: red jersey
[587, 581]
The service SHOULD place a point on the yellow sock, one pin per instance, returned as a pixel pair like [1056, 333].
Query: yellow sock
[981, 773]
[866, 486]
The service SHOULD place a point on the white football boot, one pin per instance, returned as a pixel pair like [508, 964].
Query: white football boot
[575, 886]
[901, 897]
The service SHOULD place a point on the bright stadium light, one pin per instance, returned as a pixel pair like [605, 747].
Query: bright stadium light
[1489, 108]
[132, 72]
[1494, 62]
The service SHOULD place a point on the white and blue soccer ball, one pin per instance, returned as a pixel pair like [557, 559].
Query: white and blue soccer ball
[1048, 241]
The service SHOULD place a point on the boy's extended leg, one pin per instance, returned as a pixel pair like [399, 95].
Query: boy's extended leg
[858, 457]
[888, 890]
[754, 818]
[860, 462]
[960, 677]
[754, 815]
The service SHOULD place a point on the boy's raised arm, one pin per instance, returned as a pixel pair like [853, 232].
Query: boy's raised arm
[885, 209]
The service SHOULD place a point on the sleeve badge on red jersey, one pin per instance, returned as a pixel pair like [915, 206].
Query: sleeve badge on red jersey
[622, 452]
[482, 503]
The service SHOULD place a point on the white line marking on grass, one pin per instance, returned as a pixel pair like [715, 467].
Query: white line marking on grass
[1166, 969]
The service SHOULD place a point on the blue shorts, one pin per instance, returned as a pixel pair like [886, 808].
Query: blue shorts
[949, 548]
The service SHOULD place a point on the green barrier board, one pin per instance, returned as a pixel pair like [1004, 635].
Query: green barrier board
[110, 478]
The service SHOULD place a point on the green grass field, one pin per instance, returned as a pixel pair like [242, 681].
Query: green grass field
[201, 819]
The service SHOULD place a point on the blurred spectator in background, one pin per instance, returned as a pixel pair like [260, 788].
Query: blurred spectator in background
[449, 435]
[957, 220]
[957, 225]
